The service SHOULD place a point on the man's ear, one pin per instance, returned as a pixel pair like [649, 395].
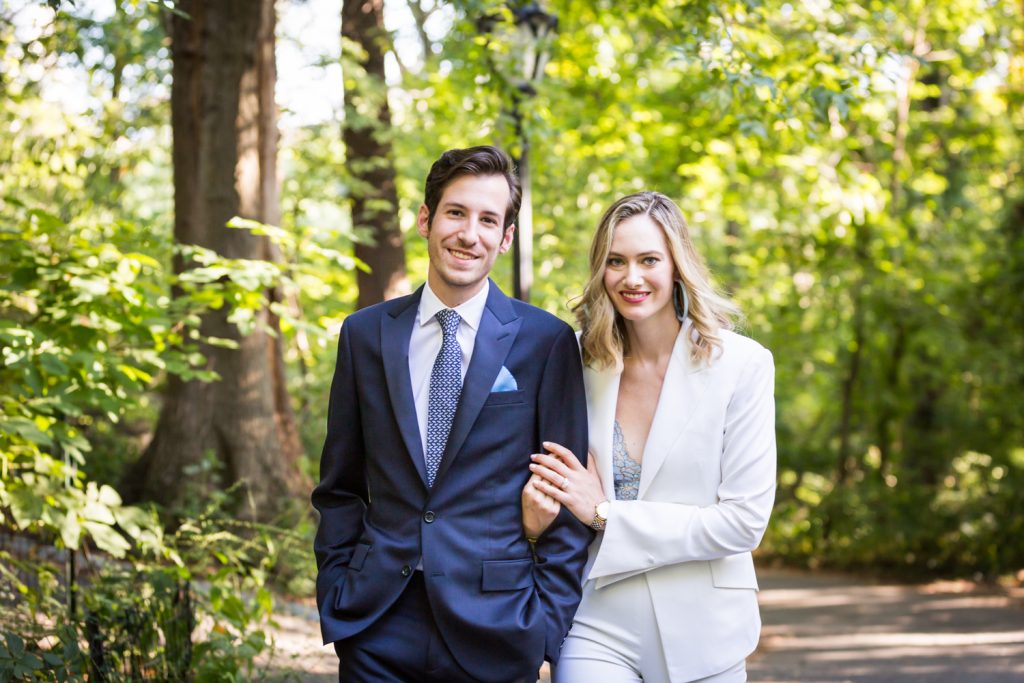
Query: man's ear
[423, 220]
[506, 240]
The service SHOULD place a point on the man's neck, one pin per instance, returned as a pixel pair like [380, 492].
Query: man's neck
[450, 296]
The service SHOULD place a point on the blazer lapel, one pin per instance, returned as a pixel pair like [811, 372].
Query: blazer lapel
[602, 388]
[395, 330]
[681, 391]
[498, 329]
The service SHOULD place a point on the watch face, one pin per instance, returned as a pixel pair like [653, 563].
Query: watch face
[602, 508]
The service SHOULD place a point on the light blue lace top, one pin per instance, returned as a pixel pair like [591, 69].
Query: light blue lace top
[626, 470]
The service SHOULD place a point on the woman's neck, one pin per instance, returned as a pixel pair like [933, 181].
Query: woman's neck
[651, 341]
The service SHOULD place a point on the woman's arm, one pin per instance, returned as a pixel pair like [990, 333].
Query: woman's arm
[659, 534]
[563, 479]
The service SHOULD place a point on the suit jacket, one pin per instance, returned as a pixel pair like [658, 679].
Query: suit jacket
[707, 486]
[496, 604]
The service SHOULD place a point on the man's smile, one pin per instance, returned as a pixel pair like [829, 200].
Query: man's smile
[461, 255]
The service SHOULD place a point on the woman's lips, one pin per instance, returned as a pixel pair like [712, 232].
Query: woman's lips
[634, 297]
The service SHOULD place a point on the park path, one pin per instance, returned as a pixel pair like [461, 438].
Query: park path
[821, 628]
[818, 628]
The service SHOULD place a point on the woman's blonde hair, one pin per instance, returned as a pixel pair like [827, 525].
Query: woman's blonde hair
[604, 338]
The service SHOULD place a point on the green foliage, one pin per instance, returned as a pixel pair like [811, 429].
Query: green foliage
[64, 661]
[85, 328]
[143, 619]
[233, 564]
[901, 367]
[88, 328]
[204, 617]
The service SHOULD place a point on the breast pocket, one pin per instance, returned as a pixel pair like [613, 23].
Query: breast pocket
[505, 398]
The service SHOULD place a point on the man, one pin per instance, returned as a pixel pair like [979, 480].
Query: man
[438, 400]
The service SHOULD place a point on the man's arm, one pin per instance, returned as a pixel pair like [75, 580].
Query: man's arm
[340, 498]
[561, 550]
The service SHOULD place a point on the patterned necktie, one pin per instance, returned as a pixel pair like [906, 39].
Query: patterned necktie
[445, 388]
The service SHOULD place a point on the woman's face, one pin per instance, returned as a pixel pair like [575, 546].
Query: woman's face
[639, 271]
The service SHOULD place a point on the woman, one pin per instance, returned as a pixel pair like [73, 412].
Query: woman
[682, 462]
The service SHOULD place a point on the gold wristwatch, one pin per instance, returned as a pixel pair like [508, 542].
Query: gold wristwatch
[600, 516]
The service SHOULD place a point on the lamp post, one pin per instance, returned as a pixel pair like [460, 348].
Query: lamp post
[529, 48]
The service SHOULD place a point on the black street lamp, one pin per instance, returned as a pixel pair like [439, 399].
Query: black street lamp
[528, 44]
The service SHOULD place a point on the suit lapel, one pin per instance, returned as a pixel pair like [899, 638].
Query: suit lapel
[681, 391]
[498, 329]
[395, 330]
[602, 396]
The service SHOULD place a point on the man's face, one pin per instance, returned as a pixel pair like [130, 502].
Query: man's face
[466, 235]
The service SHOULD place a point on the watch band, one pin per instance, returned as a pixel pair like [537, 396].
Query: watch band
[598, 522]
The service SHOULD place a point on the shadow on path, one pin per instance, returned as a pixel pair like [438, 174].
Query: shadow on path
[818, 628]
[827, 628]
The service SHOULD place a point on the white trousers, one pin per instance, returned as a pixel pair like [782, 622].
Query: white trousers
[614, 639]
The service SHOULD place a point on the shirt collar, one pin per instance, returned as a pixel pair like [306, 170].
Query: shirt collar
[470, 311]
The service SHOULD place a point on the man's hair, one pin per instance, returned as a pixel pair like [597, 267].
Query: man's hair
[484, 160]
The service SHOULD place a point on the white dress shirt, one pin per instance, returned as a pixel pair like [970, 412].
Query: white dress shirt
[425, 344]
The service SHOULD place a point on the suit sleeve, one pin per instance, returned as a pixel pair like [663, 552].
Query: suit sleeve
[341, 495]
[561, 550]
[659, 534]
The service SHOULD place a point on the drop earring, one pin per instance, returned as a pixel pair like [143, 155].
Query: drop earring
[680, 300]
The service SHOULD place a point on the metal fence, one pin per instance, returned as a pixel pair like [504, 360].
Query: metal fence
[132, 624]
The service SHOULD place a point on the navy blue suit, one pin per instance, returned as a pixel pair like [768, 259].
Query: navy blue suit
[500, 610]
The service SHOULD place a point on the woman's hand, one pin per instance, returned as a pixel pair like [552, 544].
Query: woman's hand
[565, 480]
[539, 509]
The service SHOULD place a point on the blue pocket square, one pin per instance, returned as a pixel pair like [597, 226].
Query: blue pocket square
[505, 381]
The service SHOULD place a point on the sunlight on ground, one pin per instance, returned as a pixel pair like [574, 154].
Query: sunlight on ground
[822, 628]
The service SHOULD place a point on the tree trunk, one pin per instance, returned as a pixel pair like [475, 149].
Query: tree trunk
[369, 156]
[844, 461]
[886, 404]
[225, 141]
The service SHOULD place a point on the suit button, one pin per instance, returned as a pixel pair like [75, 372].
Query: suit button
[406, 570]
[428, 517]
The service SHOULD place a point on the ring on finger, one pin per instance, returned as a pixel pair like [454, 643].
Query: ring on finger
[564, 484]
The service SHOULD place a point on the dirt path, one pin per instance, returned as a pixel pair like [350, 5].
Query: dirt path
[818, 628]
[833, 628]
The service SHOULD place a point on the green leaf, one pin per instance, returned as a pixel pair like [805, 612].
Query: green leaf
[222, 342]
[90, 288]
[46, 221]
[265, 600]
[95, 511]
[15, 644]
[134, 520]
[135, 374]
[107, 538]
[26, 506]
[26, 429]
[71, 531]
[53, 364]
[108, 496]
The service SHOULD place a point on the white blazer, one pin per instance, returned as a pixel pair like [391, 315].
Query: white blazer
[707, 486]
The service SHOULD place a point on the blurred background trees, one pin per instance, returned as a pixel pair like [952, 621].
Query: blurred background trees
[177, 250]
[224, 129]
